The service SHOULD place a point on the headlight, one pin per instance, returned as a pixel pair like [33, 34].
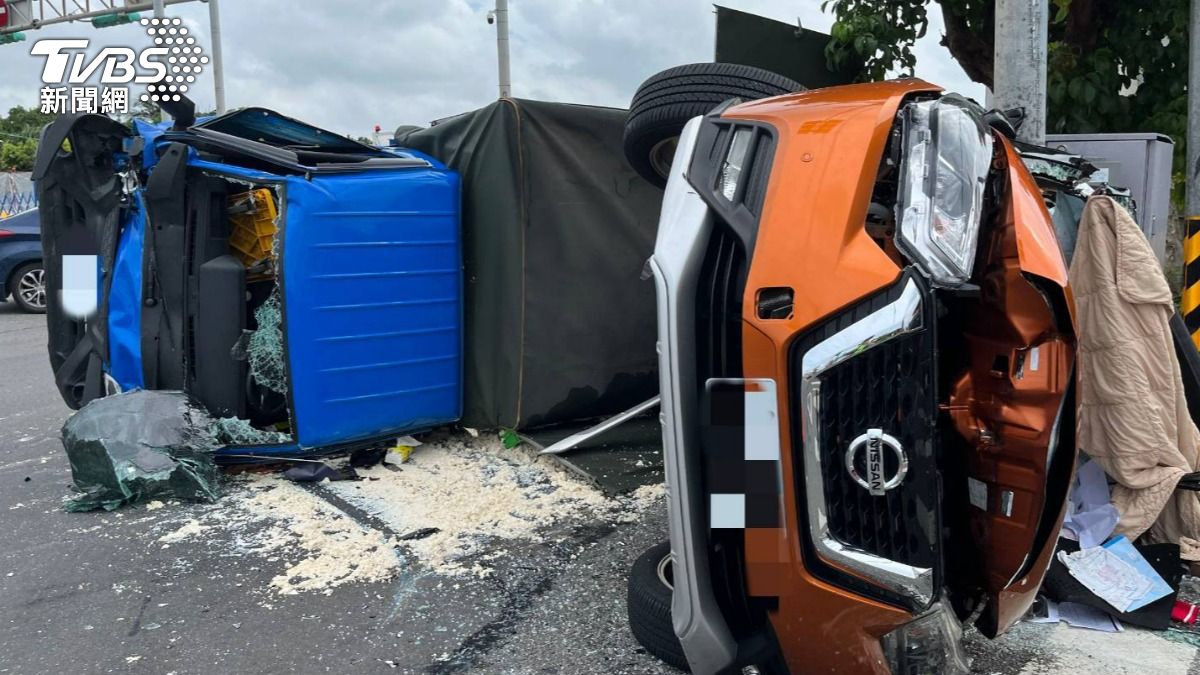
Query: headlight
[930, 644]
[947, 153]
[731, 168]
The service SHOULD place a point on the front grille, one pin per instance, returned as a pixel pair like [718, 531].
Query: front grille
[882, 379]
[722, 280]
[890, 387]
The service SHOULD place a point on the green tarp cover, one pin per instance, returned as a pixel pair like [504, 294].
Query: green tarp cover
[556, 230]
[138, 446]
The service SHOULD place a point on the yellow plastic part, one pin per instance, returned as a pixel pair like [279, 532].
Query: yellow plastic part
[253, 229]
[404, 451]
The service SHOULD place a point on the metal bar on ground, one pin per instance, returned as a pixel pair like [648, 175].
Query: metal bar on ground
[574, 440]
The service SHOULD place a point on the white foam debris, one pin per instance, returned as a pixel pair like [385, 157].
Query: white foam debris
[188, 530]
[317, 546]
[476, 494]
[462, 497]
[648, 495]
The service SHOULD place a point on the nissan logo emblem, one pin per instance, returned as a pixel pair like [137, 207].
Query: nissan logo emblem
[875, 443]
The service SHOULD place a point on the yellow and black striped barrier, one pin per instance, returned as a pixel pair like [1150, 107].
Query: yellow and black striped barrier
[1191, 279]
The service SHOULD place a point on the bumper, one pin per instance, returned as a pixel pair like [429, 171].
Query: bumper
[685, 223]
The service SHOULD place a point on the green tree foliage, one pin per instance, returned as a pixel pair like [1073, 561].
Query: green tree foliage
[1113, 65]
[18, 137]
[17, 155]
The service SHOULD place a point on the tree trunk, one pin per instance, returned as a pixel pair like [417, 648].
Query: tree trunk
[971, 47]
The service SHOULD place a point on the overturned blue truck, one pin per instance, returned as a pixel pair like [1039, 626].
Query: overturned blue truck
[345, 294]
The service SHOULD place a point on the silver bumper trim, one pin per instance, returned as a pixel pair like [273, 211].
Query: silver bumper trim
[684, 227]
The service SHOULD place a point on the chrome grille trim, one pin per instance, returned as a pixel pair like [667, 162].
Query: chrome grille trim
[899, 318]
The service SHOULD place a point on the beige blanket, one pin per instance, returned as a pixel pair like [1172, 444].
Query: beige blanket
[1133, 418]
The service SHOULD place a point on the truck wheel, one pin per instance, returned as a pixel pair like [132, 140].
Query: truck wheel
[666, 101]
[649, 605]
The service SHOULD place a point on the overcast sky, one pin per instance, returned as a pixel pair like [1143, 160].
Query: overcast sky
[347, 66]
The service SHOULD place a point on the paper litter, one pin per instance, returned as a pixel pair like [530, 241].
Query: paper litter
[1074, 614]
[1117, 573]
[1091, 516]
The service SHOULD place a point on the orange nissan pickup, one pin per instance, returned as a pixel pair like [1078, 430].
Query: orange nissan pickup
[867, 355]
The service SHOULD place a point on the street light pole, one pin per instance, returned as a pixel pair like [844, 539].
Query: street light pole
[218, 67]
[1020, 63]
[501, 14]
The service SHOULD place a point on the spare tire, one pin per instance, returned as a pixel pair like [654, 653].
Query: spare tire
[648, 603]
[666, 101]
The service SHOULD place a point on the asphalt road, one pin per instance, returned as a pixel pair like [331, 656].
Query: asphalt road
[97, 593]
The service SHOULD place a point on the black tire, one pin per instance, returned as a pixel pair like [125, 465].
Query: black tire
[666, 101]
[29, 300]
[649, 605]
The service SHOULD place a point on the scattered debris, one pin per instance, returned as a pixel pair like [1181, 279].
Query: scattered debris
[1117, 573]
[476, 493]
[509, 438]
[418, 534]
[316, 546]
[367, 457]
[1091, 516]
[451, 510]
[315, 472]
[237, 431]
[404, 447]
[138, 446]
[1073, 614]
[1185, 612]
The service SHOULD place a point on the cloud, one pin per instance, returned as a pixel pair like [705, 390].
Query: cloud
[349, 66]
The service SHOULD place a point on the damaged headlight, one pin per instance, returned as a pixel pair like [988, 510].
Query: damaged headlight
[930, 644]
[947, 154]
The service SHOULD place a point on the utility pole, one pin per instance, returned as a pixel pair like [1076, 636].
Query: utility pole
[500, 17]
[1190, 303]
[1193, 133]
[218, 72]
[1020, 63]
